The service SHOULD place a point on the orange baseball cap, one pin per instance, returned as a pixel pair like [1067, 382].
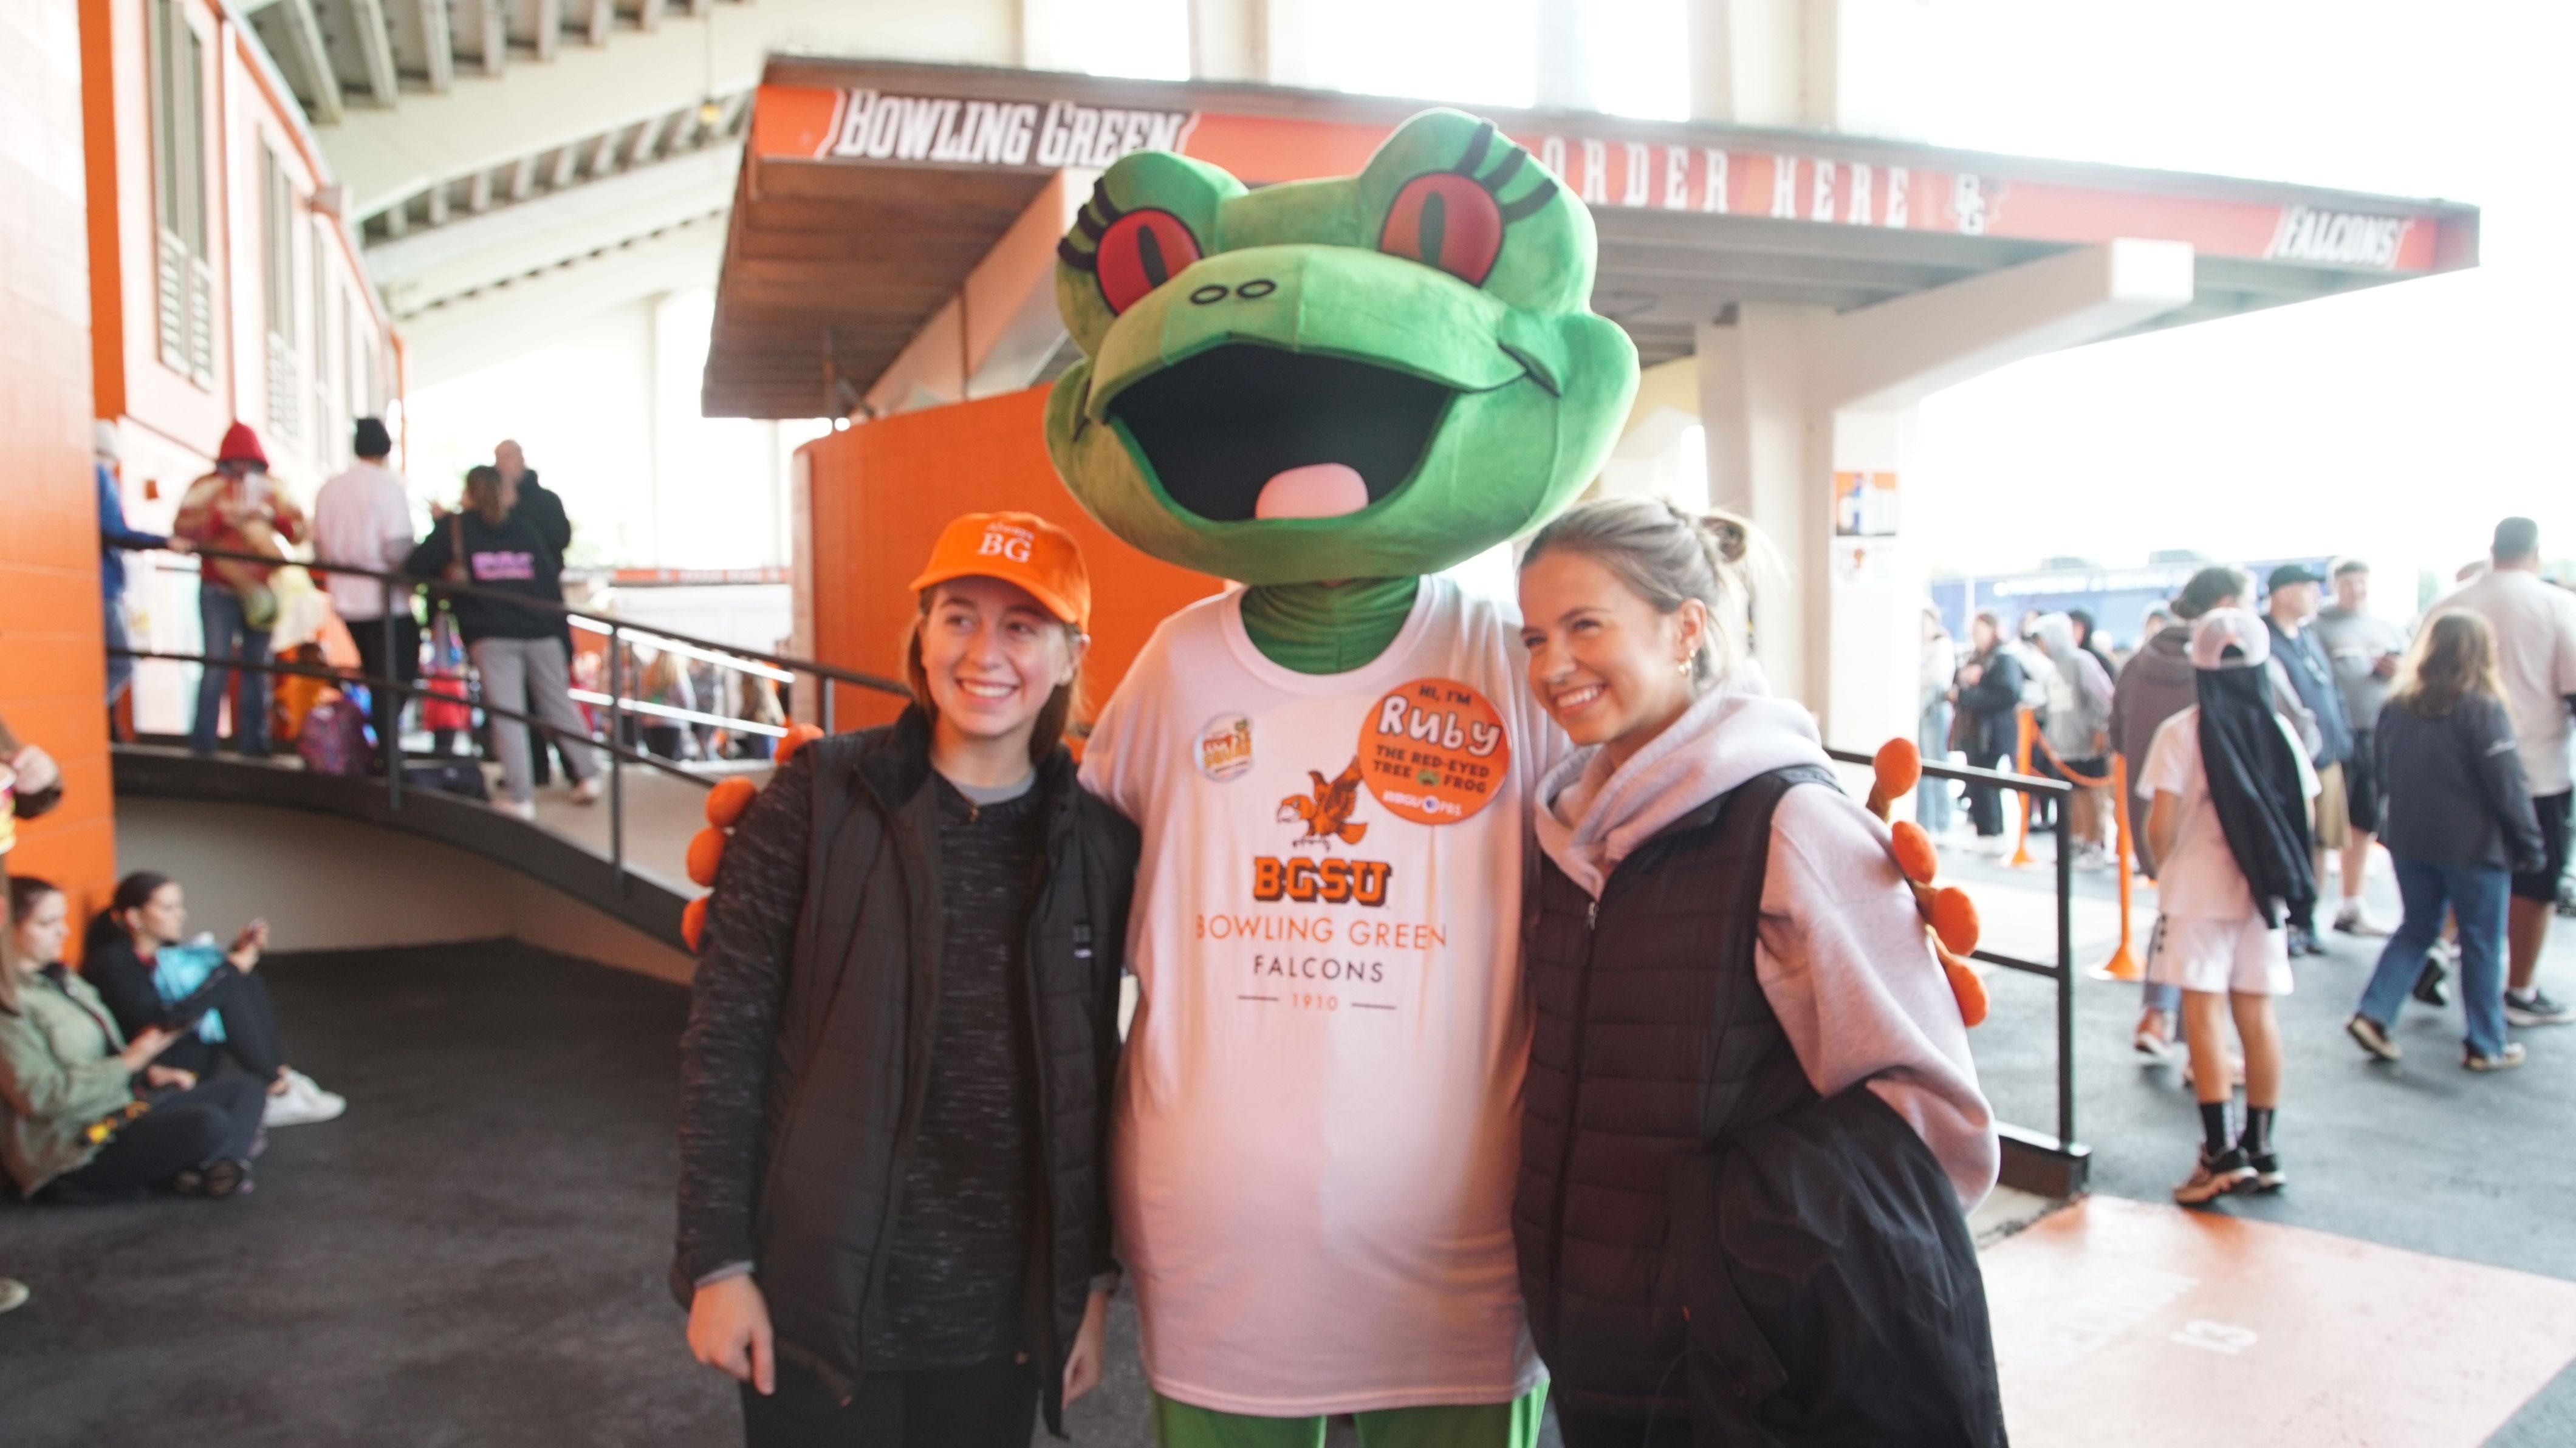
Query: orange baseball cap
[1020, 548]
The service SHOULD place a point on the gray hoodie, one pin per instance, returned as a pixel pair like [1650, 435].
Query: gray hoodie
[1841, 955]
[2079, 693]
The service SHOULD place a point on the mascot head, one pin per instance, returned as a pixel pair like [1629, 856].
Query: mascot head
[1367, 376]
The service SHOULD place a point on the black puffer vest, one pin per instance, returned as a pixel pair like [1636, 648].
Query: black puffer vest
[1701, 1237]
[841, 1015]
[1652, 1040]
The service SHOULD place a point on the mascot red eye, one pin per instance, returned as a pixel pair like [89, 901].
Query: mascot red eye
[1139, 252]
[1446, 220]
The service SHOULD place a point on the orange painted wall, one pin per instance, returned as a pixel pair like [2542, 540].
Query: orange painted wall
[876, 496]
[52, 673]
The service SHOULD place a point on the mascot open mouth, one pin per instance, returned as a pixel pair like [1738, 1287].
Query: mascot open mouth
[1244, 431]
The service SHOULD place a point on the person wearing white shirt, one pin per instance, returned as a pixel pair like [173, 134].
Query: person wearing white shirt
[362, 520]
[2535, 632]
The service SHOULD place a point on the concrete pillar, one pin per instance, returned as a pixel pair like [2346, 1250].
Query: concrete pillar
[1564, 80]
[1229, 40]
[1855, 66]
[1791, 396]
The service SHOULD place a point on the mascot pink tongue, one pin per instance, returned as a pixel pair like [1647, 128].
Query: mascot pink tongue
[1317, 490]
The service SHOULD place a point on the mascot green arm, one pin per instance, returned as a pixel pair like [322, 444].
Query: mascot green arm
[1326, 389]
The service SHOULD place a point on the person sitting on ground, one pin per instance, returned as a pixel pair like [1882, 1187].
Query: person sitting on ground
[2457, 820]
[213, 999]
[85, 1112]
[2229, 823]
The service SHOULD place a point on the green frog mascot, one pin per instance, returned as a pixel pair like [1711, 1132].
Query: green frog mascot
[1329, 391]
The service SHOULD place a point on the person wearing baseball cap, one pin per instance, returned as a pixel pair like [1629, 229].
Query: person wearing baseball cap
[236, 508]
[2301, 672]
[2228, 822]
[924, 922]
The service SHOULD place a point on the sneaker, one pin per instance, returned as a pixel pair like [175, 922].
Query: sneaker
[2535, 1008]
[2505, 1060]
[2214, 1177]
[2268, 1176]
[2303, 943]
[525, 809]
[2154, 1039]
[301, 1103]
[2433, 986]
[2374, 1038]
[13, 1294]
[586, 791]
[2353, 920]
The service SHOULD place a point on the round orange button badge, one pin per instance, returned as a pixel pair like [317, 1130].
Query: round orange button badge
[1433, 751]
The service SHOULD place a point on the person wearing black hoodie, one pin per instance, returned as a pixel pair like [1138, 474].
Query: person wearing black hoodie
[2230, 823]
[541, 508]
[1988, 693]
[518, 651]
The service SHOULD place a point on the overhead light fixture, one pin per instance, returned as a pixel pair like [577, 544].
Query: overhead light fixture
[710, 114]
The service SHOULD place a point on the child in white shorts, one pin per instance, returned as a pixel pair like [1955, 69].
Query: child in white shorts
[2213, 939]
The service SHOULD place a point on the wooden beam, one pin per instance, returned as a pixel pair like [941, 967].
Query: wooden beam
[567, 164]
[596, 22]
[478, 192]
[313, 59]
[438, 203]
[397, 219]
[485, 25]
[523, 178]
[603, 155]
[438, 47]
[374, 39]
[537, 24]
[648, 140]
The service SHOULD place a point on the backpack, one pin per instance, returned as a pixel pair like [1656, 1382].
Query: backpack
[334, 740]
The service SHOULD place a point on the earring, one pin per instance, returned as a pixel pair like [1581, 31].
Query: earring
[1683, 667]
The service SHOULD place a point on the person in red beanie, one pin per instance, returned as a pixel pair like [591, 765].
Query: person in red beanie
[239, 509]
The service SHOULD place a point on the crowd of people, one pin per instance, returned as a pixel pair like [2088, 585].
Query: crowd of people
[2268, 752]
[465, 649]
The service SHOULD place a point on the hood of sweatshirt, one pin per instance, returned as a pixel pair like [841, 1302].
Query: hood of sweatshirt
[2166, 659]
[1593, 815]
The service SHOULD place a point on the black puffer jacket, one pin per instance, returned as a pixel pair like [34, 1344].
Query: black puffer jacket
[805, 1060]
[1700, 1236]
[2453, 787]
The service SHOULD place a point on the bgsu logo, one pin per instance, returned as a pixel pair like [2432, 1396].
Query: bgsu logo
[1324, 816]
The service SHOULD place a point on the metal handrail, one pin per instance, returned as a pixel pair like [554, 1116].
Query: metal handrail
[609, 623]
[2063, 972]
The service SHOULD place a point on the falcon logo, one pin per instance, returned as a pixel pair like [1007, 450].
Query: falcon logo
[1327, 812]
[1323, 816]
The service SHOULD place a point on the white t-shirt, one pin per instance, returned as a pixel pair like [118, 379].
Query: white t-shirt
[2200, 879]
[2535, 629]
[1318, 1121]
[362, 519]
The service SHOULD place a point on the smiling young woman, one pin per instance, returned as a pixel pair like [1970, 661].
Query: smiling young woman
[919, 924]
[1739, 963]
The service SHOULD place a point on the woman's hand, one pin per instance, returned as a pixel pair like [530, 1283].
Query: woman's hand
[149, 1042]
[729, 1331]
[158, 1076]
[1082, 1365]
[247, 946]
